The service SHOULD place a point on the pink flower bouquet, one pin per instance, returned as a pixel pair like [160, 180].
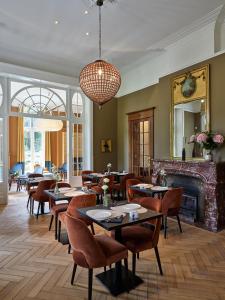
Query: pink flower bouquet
[208, 140]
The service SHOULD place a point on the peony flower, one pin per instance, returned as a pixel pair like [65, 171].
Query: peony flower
[201, 138]
[192, 139]
[106, 180]
[105, 187]
[109, 165]
[218, 139]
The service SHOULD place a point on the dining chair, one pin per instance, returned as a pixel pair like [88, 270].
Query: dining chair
[85, 180]
[120, 187]
[145, 236]
[55, 208]
[77, 202]
[40, 196]
[98, 188]
[171, 203]
[92, 251]
[31, 189]
[132, 196]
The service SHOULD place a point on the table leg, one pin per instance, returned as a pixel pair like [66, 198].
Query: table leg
[119, 280]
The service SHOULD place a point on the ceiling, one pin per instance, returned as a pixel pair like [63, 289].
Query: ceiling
[130, 28]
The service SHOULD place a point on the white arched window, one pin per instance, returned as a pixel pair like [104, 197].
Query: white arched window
[40, 101]
[77, 105]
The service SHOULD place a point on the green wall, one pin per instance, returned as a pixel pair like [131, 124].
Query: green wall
[105, 127]
[159, 96]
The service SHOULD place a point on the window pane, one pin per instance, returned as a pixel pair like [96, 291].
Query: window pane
[146, 138]
[37, 141]
[146, 150]
[26, 141]
[146, 126]
[141, 126]
[141, 138]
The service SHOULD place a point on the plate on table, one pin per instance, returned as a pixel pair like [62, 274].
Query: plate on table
[74, 193]
[66, 189]
[99, 214]
[126, 208]
[159, 188]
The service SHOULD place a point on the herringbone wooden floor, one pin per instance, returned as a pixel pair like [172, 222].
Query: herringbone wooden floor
[34, 266]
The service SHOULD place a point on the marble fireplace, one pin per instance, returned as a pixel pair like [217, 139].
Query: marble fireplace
[201, 180]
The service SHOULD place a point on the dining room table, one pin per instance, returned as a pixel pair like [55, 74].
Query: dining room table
[150, 189]
[97, 176]
[116, 279]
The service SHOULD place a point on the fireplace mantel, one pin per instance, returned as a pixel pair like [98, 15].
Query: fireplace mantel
[212, 176]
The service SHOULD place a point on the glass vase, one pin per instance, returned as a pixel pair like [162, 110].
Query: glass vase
[106, 200]
[56, 190]
[208, 155]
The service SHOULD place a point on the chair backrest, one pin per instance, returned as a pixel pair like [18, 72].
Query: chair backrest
[35, 175]
[80, 201]
[130, 193]
[43, 185]
[151, 203]
[83, 243]
[60, 184]
[85, 172]
[124, 180]
[17, 168]
[171, 201]
[38, 170]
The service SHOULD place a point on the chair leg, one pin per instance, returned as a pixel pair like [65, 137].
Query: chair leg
[39, 205]
[104, 269]
[69, 248]
[165, 226]
[73, 273]
[134, 263]
[138, 255]
[126, 264]
[158, 260]
[90, 279]
[56, 226]
[179, 224]
[59, 231]
[92, 229]
[28, 201]
[50, 225]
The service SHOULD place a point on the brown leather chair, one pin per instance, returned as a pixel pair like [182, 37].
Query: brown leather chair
[85, 180]
[98, 188]
[92, 251]
[77, 202]
[55, 208]
[31, 189]
[138, 238]
[171, 203]
[132, 196]
[40, 196]
[121, 187]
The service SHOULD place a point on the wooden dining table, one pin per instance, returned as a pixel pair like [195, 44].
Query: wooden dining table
[154, 191]
[115, 279]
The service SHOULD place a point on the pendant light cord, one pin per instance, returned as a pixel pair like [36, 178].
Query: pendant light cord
[100, 32]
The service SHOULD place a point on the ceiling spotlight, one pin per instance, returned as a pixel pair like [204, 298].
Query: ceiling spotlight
[87, 33]
[56, 22]
[86, 12]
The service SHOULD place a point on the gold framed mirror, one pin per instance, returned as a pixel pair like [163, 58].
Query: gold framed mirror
[190, 112]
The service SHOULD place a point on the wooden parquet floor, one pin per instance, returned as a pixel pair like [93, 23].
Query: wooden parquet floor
[35, 266]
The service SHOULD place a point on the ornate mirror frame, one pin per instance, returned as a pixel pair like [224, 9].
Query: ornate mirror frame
[186, 88]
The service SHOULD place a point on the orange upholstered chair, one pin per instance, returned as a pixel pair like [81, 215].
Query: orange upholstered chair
[31, 189]
[92, 251]
[55, 208]
[171, 203]
[78, 202]
[85, 180]
[131, 194]
[40, 196]
[121, 187]
[138, 238]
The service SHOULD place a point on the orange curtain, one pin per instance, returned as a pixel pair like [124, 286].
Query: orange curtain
[20, 140]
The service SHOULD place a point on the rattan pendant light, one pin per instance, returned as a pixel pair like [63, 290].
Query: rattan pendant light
[100, 80]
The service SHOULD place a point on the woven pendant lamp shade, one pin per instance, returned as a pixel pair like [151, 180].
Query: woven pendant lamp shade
[100, 81]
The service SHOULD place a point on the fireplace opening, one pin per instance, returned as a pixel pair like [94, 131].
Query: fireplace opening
[192, 206]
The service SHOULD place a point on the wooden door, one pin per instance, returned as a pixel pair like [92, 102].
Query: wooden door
[141, 142]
